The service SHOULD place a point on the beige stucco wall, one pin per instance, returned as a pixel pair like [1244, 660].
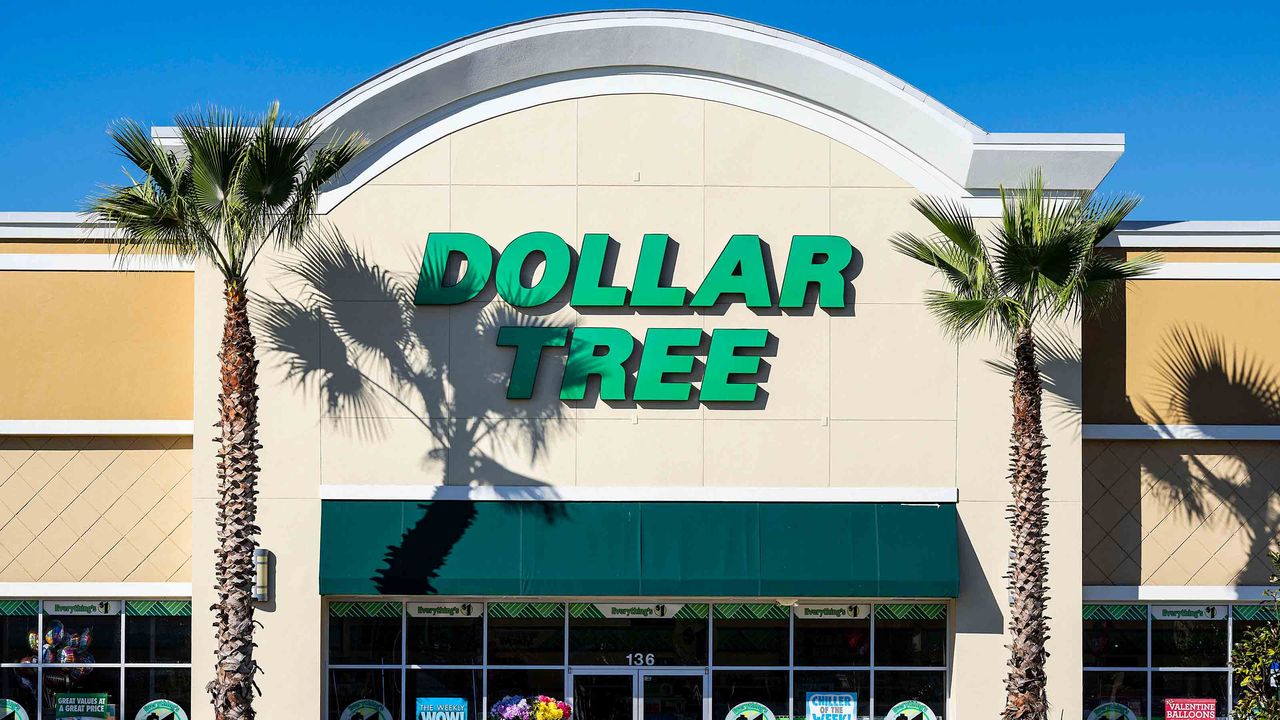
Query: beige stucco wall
[872, 397]
[94, 345]
[95, 509]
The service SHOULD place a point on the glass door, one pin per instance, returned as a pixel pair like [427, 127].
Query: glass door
[604, 696]
[672, 696]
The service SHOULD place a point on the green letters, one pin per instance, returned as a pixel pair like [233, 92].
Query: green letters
[555, 271]
[738, 270]
[583, 362]
[656, 361]
[587, 290]
[803, 269]
[431, 289]
[528, 340]
[722, 362]
[647, 291]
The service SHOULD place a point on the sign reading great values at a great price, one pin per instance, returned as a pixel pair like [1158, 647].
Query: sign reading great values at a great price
[82, 706]
[816, 265]
[1190, 709]
[831, 705]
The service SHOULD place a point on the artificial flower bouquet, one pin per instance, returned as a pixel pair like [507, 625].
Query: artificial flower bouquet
[534, 707]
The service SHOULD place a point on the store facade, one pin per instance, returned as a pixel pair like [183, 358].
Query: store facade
[614, 390]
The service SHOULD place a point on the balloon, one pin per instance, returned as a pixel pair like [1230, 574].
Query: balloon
[33, 641]
[54, 635]
[85, 638]
[46, 655]
[67, 654]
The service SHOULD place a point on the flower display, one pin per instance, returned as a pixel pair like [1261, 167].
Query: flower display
[536, 707]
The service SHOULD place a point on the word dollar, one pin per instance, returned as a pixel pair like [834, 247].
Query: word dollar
[740, 274]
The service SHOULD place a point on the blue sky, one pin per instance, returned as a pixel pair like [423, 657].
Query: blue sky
[1195, 86]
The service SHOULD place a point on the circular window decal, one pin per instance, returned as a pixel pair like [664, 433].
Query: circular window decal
[910, 710]
[11, 709]
[1112, 711]
[749, 711]
[160, 710]
[366, 710]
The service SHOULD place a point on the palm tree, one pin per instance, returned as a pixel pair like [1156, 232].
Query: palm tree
[234, 186]
[1036, 268]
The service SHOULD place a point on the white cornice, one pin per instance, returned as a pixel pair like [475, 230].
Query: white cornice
[53, 226]
[1174, 593]
[104, 590]
[92, 262]
[1095, 431]
[541, 53]
[1193, 235]
[96, 427]
[665, 493]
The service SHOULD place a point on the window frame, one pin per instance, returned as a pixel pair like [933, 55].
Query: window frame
[121, 665]
[1148, 670]
[866, 705]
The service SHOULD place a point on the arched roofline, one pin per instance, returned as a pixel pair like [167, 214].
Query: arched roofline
[709, 56]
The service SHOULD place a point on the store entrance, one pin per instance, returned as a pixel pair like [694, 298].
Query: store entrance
[638, 694]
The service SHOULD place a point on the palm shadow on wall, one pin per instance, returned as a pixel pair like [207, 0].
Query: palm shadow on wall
[1201, 380]
[379, 355]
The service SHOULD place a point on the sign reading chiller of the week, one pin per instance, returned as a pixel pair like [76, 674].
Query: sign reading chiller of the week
[740, 274]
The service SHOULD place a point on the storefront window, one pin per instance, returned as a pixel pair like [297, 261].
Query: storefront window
[751, 634]
[364, 693]
[833, 636]
[895, 687]
[364, 633]
[1198, 642]
[911, 636]
[679, 638]
[1199, 685]
[526, 633]
[731, 687]
[132, 654]
[524, 681]
[660, 656]
[444, 639]
[1123, 688]
[826, 681]
[445, 688]
[1158, 653]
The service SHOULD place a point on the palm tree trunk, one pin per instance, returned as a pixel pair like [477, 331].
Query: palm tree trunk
[232, 687]
[1028, 558]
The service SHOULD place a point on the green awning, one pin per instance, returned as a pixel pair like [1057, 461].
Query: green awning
[653, 549]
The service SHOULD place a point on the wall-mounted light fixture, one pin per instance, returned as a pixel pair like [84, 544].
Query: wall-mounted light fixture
[261, 575]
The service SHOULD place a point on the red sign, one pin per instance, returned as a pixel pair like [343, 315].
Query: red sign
[1190, 709]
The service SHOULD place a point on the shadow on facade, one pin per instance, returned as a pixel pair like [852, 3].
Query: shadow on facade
[1199, 378]
[1202, 380]
[378, 363]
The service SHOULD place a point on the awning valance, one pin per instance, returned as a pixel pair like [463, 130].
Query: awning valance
[622, 549]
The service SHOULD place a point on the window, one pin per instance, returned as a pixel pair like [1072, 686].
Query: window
[1139, 656]
[467, 655]
[133, 653]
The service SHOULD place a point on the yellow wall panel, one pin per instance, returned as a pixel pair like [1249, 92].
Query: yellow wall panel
[1186, 352]
[96, 345]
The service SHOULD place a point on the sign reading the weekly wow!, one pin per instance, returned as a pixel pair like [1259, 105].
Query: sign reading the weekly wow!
[816, 265]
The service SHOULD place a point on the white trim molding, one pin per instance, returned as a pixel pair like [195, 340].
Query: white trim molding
[1193, 235]
[1094, 431]
[53, 226]
[1174, 593]
[1215, 271]
[671, 52]
[106, 590]
[663, 493]
[96, 427]
[92, 262]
